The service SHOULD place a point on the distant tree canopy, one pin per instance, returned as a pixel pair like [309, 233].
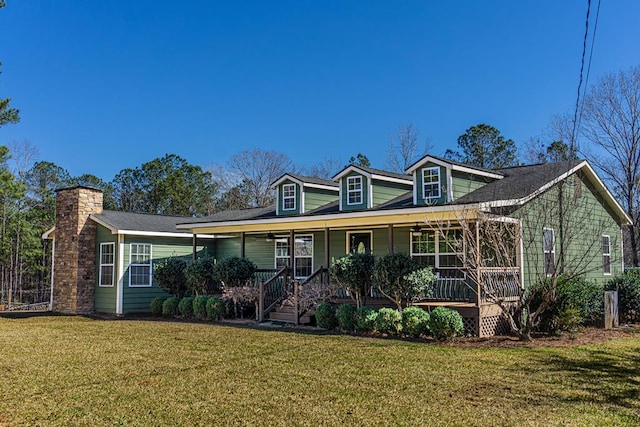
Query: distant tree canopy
[483, 146]
[165, 186]
[360, 160]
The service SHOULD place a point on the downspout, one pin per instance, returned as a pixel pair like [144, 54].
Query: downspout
[120, 285]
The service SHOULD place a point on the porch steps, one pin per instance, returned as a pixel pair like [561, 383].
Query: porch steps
[287, 314]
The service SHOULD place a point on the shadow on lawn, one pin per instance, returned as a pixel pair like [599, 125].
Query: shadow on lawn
[608, 377]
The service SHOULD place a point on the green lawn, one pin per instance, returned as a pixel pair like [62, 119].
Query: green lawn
[79, 371]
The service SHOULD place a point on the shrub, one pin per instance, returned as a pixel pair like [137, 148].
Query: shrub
[216, 308]
[185, 307]
[240, 296]
[366, 319]
[445, 323]
[200, 276]
[156, 305]
[353, 272]
[326, 316]
[388, 321]
[401, 279]
[628, 287]
[578, 301]
[234, 271]
[415, 321]
[200, 307]
[170, 276]
[346, 314]
[170, 307]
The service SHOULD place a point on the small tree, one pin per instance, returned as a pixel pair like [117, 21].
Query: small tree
[354, 272]
[401, 279]
[170, 276]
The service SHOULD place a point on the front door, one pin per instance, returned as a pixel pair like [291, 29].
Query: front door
[359, 242]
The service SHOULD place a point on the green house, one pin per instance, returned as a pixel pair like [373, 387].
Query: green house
[487, 234]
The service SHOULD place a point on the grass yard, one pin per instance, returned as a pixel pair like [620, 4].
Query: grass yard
[79, 371]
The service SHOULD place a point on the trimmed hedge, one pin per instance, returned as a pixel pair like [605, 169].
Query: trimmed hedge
[326, 316]
[415, 321]
[388, 321]
[628, 287]
[216, 308]
[346, 314]
[200, 307]
[156, 305]
[185, 307]
[445, 323]
[170, 307]
[366, 319]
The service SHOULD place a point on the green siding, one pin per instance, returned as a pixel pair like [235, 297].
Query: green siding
[316, 197]
[384, 191]
[295, 211]
[365, 193]
[104, 298]
[137, 299]
[443, 185]
[225, 248]
[588, 218]
[464, 183]
[261, 252]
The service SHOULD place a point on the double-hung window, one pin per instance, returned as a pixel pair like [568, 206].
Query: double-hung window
[288, 197]
[303, 255]
[430, 183]
[354, 190]
[140, 264]
[549, 250]
[606, 254]
[107, 254]
[441, 250]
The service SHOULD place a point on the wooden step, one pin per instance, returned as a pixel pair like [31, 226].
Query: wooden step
[283, 317]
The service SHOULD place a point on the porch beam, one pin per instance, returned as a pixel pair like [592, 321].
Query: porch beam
[292, 256]
[195, 246]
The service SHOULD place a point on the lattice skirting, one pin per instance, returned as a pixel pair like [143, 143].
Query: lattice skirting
[469, 326]
[493, 325]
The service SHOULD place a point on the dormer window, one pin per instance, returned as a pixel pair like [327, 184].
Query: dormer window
[288, 197]
[431, 183]
[354, 190]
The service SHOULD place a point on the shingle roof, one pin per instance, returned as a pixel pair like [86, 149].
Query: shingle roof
[386, 173]
[465, 165]
[141, 221]
[234, 215]
[313, 180]
[518, 182]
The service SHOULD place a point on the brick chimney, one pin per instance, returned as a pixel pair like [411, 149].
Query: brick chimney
[74, 270]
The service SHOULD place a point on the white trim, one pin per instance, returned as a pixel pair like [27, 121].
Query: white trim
[113, 264]
[292, 248]
[47, 234]
[277, 202]
[438, 184]
[120, 286]
[437, 235]
[115, 230]
[320, 186]
[415, 188]
[289, 177]
[456, 167]
[521, 258]
[349, 233]
[361, 190]
[370, 196]
[341, 215]
[131, 264]
[552, 251]
[370, 175]
[53, 264]
[622, 248]
[604, 272]
[285, 198]
[449, 185]
[302, 207]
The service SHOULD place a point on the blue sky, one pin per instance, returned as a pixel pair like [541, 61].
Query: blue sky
[102, 86]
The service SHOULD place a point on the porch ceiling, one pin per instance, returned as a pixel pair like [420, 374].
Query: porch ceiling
[319, 223]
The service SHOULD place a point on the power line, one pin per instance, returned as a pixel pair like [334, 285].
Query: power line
[584, 52]
[586, 80]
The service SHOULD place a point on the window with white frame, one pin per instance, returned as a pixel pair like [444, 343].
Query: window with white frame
[288, 197]
[440, 250]
[606, 254]
[354, 190]
[140, 264]
[107, 256]
[430, 183]
[549, 250]
[303, 255]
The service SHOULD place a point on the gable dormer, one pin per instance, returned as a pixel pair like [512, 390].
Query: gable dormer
[296, 194]
[363, 188]
[437, 181]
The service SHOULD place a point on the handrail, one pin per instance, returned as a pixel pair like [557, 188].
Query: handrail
[273, 291]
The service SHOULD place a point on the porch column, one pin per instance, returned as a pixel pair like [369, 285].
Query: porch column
[478, 269]
[327, 258]
[390, 238]
[292, 253]
[195, 247]
[242, 242]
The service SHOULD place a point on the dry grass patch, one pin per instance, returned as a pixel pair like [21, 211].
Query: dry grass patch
[79, 371]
